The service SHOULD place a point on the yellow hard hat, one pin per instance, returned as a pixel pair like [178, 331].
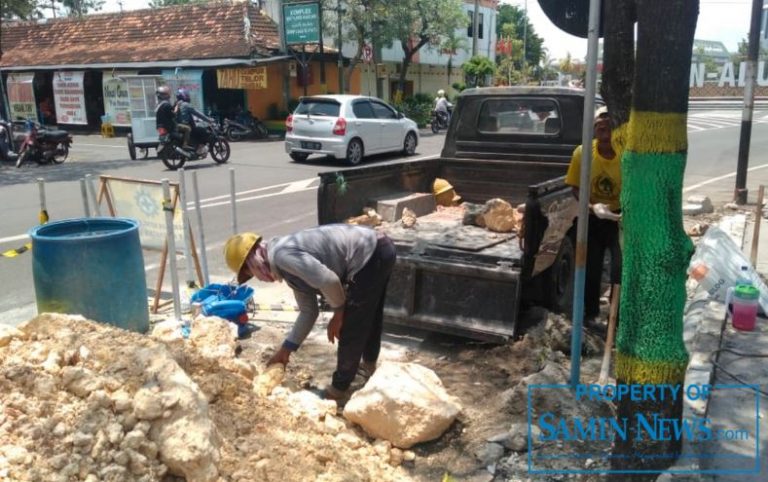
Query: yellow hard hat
[444, 193]
[236, 251]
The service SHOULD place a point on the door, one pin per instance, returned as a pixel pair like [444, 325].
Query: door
[366, 125]
[389, 126]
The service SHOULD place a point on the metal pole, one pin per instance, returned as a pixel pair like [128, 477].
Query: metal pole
[740, 191]
[586, 166]
[84, 193]
[475, 18]
[171, 246]
[323, 84]
[232, 199]
[525, 36]
[284, 49]
[92, 193]
[340, 44]
[199, 211]
[187, 233]
[43, 211]
[4, 100]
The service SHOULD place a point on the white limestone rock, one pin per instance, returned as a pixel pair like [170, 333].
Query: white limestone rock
[404, 403]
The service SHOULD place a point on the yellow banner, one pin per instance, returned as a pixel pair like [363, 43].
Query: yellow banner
[247, 78]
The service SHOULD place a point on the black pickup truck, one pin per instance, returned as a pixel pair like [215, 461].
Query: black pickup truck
[513, 143]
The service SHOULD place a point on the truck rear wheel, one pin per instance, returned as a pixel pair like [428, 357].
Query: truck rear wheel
[561, 277]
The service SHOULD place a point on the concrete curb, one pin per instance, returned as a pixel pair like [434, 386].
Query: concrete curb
[703, 328]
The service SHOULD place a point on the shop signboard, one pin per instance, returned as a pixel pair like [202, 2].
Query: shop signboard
[254, 78]
[69, 98]
[117, 103]
[301, 23]
[21, 96]
[192, 80]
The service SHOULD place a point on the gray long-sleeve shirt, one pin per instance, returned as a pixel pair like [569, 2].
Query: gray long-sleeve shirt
[319, 261]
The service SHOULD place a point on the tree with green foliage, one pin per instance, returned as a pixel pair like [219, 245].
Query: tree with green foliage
[416, 23]
[22, 9]
[170, 3]
[509, 59]
[477, 70]
[451, 45]
[523, 31]
[78, 8]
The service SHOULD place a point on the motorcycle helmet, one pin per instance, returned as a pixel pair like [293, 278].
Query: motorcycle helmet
[182, 94]
[163, 92]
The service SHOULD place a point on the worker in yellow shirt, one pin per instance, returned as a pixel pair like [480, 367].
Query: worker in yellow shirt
[604, 191]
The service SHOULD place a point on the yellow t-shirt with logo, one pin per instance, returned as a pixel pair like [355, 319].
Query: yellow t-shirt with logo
[605, 178]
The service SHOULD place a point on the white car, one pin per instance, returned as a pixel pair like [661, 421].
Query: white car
[347, 127]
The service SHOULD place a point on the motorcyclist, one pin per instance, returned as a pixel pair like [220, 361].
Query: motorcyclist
[164, 116]
[6, 141]
[442, 106]
[186, 113]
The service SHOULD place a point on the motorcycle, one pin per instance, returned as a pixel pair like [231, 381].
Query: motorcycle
[43, 145]
[204, 140]
[439, 120]
[6, 142]
[246, 126]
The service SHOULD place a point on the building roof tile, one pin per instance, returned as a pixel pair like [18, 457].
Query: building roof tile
[203, 31]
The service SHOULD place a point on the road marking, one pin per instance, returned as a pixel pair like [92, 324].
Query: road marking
[11, 239]
[98, 145]
[720, 178]
[299, 185]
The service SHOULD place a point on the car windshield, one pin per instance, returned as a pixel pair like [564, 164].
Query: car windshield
[318, 107]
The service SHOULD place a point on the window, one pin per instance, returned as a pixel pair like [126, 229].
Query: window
[362, 110]
[383, 111]
[520, 116]
[319, 107]
[471, 25]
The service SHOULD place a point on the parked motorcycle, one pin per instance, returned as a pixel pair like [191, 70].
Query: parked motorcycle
[245, 126]
[44, 146]
[439, 120]
[204, 140]
[6, 142]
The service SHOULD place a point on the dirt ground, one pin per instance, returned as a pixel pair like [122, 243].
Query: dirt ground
[43, 412]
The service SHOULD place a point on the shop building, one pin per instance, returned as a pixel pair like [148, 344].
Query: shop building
[75, 71]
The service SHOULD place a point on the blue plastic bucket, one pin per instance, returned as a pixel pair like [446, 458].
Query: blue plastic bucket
[93, 267]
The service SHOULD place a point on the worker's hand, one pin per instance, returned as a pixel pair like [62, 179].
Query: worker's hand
[281, 356]
[334, 326]
[602, 211]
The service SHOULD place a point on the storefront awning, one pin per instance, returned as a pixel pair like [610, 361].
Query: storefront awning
[160, 64]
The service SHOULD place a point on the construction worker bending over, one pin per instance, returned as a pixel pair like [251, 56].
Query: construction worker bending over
[349, 266]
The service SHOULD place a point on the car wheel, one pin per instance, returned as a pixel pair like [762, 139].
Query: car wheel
[560, 277]
[299, 156]
[354, 152]
[409, 145]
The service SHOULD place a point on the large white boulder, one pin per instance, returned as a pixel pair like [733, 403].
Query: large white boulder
[404, 403]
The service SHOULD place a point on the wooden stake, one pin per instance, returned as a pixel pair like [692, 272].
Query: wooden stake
[605, 369]
[756, 230]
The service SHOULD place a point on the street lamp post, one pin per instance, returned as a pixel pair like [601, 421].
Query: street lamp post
[339, 12]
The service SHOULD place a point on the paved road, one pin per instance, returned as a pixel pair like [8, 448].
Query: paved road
[275, 195]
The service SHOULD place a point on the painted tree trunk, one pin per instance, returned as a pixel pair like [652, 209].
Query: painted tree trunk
[650, 349]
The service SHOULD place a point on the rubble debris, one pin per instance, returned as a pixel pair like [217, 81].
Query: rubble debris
[496, 215]
[369, 218]
[409, 218]
[391, 208]
[697, 204]
[403, 403]
[271, 378]
[698, 229]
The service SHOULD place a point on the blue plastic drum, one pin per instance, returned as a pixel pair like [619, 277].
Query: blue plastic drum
[93, 267]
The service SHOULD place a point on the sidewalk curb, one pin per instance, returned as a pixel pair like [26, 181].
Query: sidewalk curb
[703, 328]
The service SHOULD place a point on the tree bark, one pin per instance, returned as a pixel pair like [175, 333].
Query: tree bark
[618, 58]
[650, 349]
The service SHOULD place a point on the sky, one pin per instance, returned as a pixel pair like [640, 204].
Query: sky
[723, 20]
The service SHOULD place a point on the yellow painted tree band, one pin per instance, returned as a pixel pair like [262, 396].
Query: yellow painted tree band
[657, 132]
[634, 370]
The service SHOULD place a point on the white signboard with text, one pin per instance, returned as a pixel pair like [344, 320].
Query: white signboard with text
[117, 103]
[69, 98]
